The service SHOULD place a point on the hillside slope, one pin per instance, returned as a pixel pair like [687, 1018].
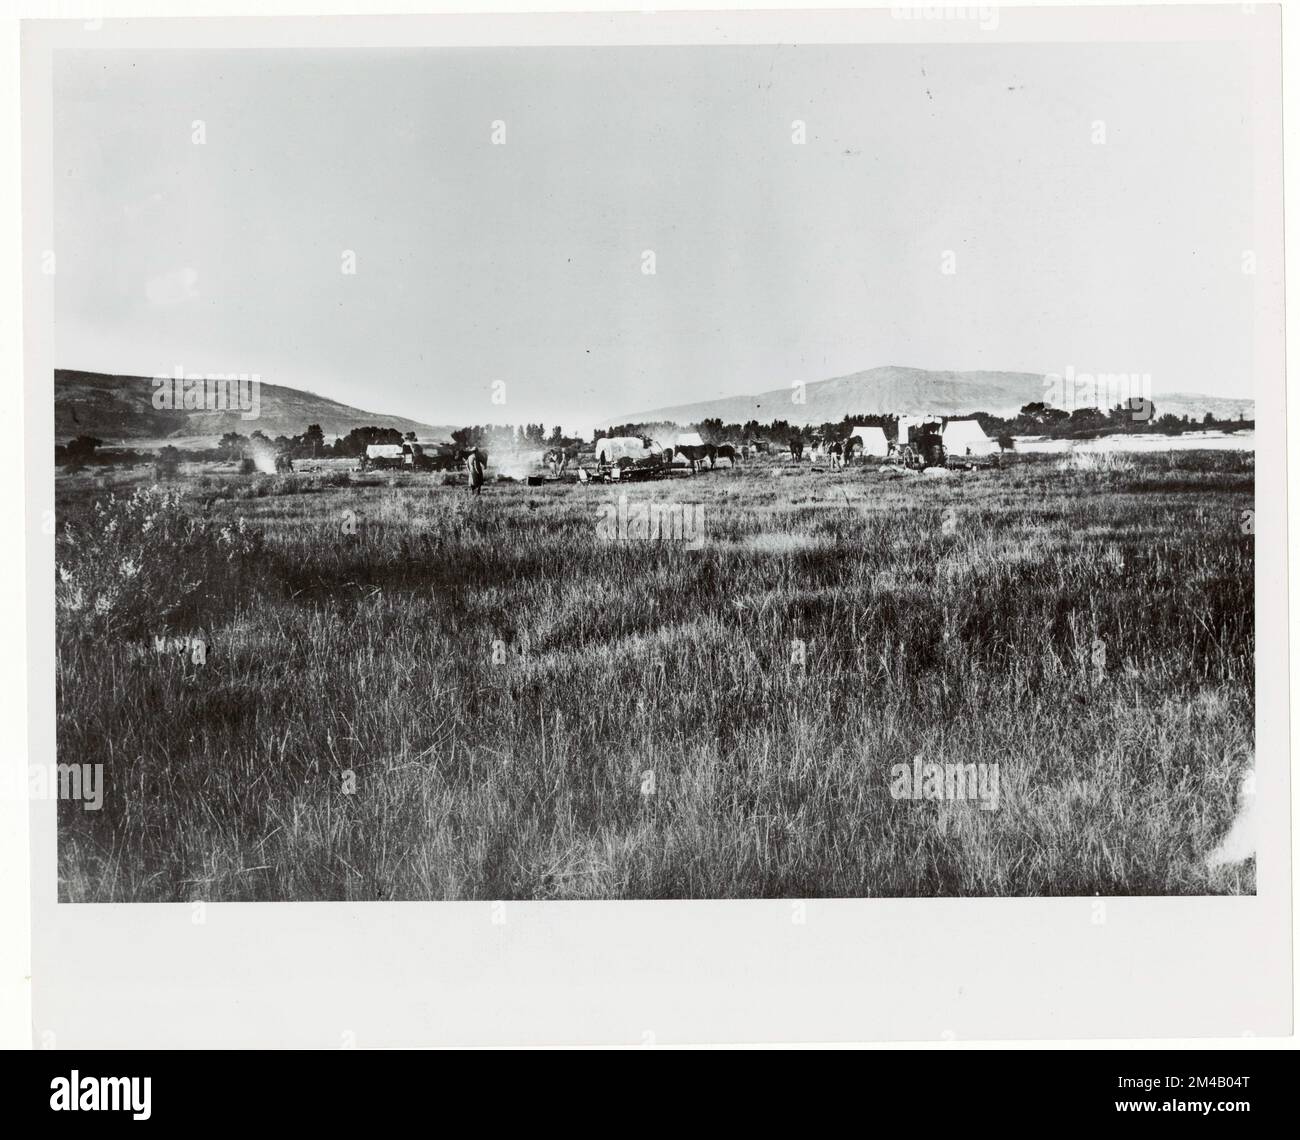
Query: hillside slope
[908, 391]
[120, 409]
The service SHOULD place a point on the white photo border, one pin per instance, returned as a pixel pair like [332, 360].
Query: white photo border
[630, 973]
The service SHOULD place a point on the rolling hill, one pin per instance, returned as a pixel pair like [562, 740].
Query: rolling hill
[909, 391]
[119, 409]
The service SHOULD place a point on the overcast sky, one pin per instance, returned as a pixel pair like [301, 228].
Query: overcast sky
[774, 261]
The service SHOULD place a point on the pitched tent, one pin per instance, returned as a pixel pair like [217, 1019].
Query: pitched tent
[873, 440]
[684, 439]
[966, 437]
[383, 451]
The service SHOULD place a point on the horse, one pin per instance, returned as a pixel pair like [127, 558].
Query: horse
[696, 453]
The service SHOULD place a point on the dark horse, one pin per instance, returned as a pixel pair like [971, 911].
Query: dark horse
[796, 448]
[696, 453]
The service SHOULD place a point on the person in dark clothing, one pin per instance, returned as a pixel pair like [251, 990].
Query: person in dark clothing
[476, 464]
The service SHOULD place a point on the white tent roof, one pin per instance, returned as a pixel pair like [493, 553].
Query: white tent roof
[383, 451]
[962, 437]
[905, 424]
[620, 447]
[873, 439]
[689, 439]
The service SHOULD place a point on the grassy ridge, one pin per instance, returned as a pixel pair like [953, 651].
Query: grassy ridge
[410, 694]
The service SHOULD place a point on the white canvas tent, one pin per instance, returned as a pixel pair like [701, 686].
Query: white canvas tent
[383, 451]
[684, 439]
[873, 440]
[966, 437]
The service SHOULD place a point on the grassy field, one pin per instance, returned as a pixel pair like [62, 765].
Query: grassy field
[412, 694]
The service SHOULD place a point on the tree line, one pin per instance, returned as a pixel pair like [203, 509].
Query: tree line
[1033, 419]
[311, 444]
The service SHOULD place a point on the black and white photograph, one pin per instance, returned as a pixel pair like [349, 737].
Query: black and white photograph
[653, 528]
[654, 473]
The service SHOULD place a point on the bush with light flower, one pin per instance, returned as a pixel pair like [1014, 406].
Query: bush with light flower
[143, 564]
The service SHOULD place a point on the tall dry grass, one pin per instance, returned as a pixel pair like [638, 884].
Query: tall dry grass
[412, 695]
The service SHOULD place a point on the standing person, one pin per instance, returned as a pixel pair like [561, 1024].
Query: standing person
[477, 466]
[477, 470]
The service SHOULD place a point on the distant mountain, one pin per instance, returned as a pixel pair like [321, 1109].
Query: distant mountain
[908, 391]
[120, 409]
